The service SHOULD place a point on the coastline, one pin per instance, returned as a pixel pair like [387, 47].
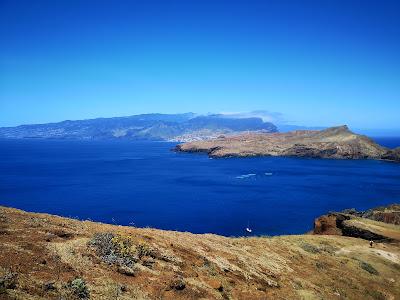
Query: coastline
[331, 143]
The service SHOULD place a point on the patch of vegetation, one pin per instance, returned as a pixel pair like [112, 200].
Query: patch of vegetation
[329, 248]
[377, 295]
[177, 284]
[115, 290]
[310, 248]
[79, 288]
[395, 266]
[49, 286]
[320, 265]
[297, 284]
[8, 281]
[34, 222]
[112, 250]
[121, 250]
[3, 217]
[367, 267]
[325, 247]
[143, 250]
[210, 267]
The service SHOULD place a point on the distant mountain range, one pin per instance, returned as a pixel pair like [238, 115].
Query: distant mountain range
[167, 127]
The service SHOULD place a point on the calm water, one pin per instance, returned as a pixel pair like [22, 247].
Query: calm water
[145, 184]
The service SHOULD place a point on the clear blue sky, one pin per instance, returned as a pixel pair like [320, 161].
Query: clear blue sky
[316, 62]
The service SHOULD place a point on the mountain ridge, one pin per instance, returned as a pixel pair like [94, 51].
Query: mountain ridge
[169, 127]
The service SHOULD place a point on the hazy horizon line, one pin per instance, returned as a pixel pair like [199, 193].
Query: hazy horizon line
[272, 117]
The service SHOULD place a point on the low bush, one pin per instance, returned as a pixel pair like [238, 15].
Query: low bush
[8, 281]
[79, 288]
[320, 265]
[376, 295]
[367, 267]
[143, 250]
[113, 251]
[309, 248]
[177, 284]
[121, 250]
[3, 217]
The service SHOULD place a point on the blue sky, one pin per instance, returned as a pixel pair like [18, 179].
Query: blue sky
[315, 62]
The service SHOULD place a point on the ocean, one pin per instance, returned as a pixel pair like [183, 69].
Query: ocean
[146, 184]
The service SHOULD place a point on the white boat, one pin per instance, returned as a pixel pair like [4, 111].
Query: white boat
[248, 230]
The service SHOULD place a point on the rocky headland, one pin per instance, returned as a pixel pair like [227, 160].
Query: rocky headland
[377, 224]
[335, 142]
[49, 257]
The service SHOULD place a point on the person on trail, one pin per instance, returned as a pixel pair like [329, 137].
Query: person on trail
[371, 243]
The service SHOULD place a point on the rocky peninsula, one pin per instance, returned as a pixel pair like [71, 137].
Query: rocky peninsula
[49, 257]
[335, 142]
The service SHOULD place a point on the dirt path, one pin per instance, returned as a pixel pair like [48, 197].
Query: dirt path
[378, 250]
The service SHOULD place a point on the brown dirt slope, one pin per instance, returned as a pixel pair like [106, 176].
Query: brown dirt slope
[336, 142]
[49, 257]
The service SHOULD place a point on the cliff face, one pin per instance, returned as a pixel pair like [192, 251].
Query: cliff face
[393, 155]
[335, 142]
[49, 257]
[378, 224]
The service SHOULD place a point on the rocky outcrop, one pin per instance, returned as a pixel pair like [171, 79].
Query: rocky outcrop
[357, 231]
[327, 225]
[377, 224]
[388, 214]
[387, 217]
[336, 142]
[393, 155]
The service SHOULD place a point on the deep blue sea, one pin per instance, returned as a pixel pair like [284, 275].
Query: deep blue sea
[146, 184]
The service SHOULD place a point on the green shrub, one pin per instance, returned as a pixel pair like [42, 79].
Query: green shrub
[309, 248]
[79, 288]
[367, 267]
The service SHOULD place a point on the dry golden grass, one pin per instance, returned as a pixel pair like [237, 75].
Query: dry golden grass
[42, 248]
[389, 230]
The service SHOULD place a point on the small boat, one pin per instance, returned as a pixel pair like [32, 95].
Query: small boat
[248, 230]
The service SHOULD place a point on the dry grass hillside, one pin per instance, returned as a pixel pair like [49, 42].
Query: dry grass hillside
[49, 257]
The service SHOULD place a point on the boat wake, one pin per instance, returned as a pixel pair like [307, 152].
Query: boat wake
[246, 176]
